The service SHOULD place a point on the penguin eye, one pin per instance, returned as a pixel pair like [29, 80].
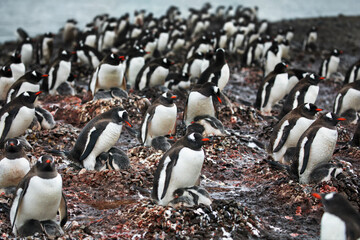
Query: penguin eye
[64, 52]
[33, 73]
[164, 95]
[312, 76]
[216, 89]
[112, 55]
[328, 115]
[165, 60]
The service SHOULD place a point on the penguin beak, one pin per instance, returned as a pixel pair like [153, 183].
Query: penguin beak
[205, 139]
[12, 144]
[122, 58]
[174, 97]
[316, 195]
[341, 119]
[219, 99]
[318, 109]
[45, 75]
[128, 123]
[38, 93]
[48, 161]
[321, 78]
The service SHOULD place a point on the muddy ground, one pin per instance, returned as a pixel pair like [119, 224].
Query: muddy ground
[251, 199]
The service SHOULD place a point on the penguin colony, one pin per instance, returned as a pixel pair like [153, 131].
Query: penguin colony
[120, 56]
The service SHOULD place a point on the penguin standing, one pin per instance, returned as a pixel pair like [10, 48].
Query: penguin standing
[272, 89]
[29, 82]
[16, 65]
[109, 73]
[6, 80]
[59, 71]
[45, 48]
[99, 135]
[14, 164]
[180, 167]
[163, 39]
[69, 32]
[305, 91]
[203, 44]
[177, 81]
[316, 145]
[88, 55]
[153, 73]
[39, 197]
[17, 115]
[218, 72]
[353, 73]
[288, 130]
[192, 66]
[134, 62]
[348, 98]
[201, 101]
[107, 39]
[330, 64]
[310, 40]
[253, 52]
[340, 220]
[159, 119]
[26, 51]
[272, 57]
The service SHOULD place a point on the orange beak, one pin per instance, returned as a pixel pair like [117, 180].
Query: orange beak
[318, 109]
[316, 195]
[38, 93]
[341, 119]
[205, 139]
[128, 123]
[173, 97]
[219, 99]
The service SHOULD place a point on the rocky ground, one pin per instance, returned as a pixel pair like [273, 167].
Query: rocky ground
[251, 199]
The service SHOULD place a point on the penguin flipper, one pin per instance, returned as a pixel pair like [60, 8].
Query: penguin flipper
[307, 148]
[7, 124]
[63, 210]
[168, 172]
[94, 135]
[284, 136]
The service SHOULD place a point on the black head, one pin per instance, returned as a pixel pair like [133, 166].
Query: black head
[101, 161]
[35, 76]
[309, 109]
[121, 116]
[220, 54]
[168, 97]
[28, 97]
[336, 52]
[313, 78]
[280, 68]
[13, 145]
[195, 127]
[195, 140]
[15, 58]
[65, 55]
[166, 63]
[45, 163]
[113, 59]
[6, 72]
[331, 119]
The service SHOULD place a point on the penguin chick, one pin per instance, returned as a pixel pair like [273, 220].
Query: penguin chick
[45, 118]
[347, 98]
[161, 143]
[212, 126]
[190, 197]
[325, 172]
[39, 196]
[118, 160]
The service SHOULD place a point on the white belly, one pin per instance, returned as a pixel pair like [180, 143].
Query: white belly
[333, 65]
[5, 86]
[110, 76]
[277, 91]
[18, 70]
[332, 228]
[135, 66]
[198, 105]
[158, 77]
[311, 94]
[26, 86]
[12, 171]
[21, 122]
[351, 100]
[61, 76]
[225, 75]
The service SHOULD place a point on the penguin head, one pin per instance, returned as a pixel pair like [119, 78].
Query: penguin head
[309, 109]
[113, 59]
[101, 161]
[45, 163]
[333, 201]
[121, 116]
[166, 63]
[336, 52]
[313, 78]
[332, 119]
[195, 140]
[280, 68]
[195, 127]
[29, 97]
[6, 72]
[35, 76]
[15, 58]
[12, 145]
[220, 54]
[168, 97]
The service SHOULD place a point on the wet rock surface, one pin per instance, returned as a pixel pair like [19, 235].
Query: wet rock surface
[251, 199]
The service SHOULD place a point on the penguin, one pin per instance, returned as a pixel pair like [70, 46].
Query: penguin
[88, 55]
[325, 172]
[200, 101]
[118, 160]
[70, 32]
[295, 75]
[17, 115]
[109, 73]
[180, 167]
[285, 49]
[330, 64]
[109, 94]
[16, 65]
[353, 73]
[272, 57]
[107, 39]
[134, 62]
[211, 126]
[153, 73]
[236, 42]
[98, 135]
[177, 43]
[30, 228]
[316, 145]
[159, 119]
[162, 143]
[253, 52]
[340, 220]
[289, 35]
[178, 81]
[347, 98]
[89, 36]
[6, 80]
[310, 40]
[26, 51]
[58, 71]
[218, 72]
[101, 161]
[29, 82]
[163, 39]
[45, 118]
[45, 48]
[272, 89]
[192, 65]
[14, 164]
[289, 129]
[203, 44]
[39, 196]
[305, 91]
[21, 34]
[190, 197]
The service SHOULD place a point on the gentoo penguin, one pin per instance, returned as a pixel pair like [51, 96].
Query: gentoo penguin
[163, 39]
[26, 51]
[192, 65]
[39, 196]
[236, 42]
[16, 65]
[88, 55]
[6, 80]
[69, 32]
[177, 43]
[109, 73]
[295, 75]
[272, 57]
[107, 39]
[29, 82]
[347, 98]
[218, 72]
[272, 89]
[99, 135]
[207, 125]
[21, 34]
[89, 36]
[58, 71]
[44, 48]
[310, 40]
[353, 73]
[201, 101]
[118, 160]
[45, 118]
[285, 49]
[112, 93]
[253, 52]
[305, 91]
[330, 64]
[203, 44]
[134, 62]
[287, 132]
[316, 145]
[14, 164]
[17, 115]
[289, 35]
[340, 221]
[159, 119]
[325, 172]
[190, 197]
[177, 81]
[180, 167]
[153, 73]
[162, 143]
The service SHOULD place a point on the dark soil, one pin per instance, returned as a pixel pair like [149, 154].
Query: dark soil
[251, 199]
